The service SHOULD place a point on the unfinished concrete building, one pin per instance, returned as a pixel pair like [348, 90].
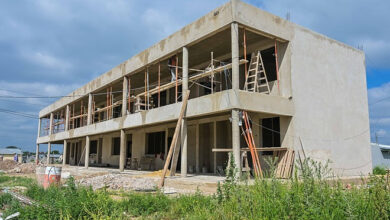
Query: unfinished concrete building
[301, 90]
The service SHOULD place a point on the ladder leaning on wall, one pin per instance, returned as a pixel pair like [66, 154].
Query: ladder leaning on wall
[256, 79]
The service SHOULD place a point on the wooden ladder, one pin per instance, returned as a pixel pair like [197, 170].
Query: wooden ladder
[257, 77]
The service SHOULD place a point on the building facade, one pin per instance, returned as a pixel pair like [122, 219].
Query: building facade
[310, 96]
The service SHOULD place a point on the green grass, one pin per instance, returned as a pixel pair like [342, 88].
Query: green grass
[306, 196]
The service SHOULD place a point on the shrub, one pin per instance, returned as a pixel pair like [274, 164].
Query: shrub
[379, 170]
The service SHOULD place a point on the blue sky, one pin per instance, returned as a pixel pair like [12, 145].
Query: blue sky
[53, 47]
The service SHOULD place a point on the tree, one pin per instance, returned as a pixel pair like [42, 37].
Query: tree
[12, 147]
[55, 152]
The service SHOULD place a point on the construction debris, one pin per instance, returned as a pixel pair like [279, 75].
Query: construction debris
[10, 166]
[120, 181]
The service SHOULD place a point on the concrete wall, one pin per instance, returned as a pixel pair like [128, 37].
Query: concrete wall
[11, 157]
[330, 100]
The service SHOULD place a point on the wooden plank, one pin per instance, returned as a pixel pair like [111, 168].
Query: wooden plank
[174, 138]
[247, 149]
[192, 78]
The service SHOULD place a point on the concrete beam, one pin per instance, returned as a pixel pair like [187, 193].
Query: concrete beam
[219, 102]
[87, 148]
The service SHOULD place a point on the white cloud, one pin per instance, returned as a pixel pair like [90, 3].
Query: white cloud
[381, 132]
[379, 99]
[47, 61]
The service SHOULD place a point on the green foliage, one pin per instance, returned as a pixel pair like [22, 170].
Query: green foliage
[379, 170]
[145, 204]
[308, 195]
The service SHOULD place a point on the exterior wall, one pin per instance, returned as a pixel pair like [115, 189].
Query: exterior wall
[379, 157]
[11, 157]
[330, 102]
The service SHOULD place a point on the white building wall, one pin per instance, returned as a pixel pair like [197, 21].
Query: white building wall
[330, 99]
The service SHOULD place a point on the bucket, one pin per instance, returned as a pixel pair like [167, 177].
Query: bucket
[52, 176]
[40, 173]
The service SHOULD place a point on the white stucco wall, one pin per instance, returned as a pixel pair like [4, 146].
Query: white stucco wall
[330, 100]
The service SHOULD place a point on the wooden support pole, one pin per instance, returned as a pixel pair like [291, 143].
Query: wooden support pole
[174, 138]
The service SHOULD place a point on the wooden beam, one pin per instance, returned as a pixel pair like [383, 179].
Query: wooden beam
[174, 138]
[247, 149]
[192, 78]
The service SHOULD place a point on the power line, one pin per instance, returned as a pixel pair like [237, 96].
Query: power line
[27, 115]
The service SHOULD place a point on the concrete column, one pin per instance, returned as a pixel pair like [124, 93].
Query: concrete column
[122, 156]
[235, 85]
[89, 116]
[67, 118]
[48, 153]
[51, 123]
[64, 152]
[236, 140]
[39, 127]
[166, 143]
[215, 146]
[197, 167]
[37, 154]
[235, 57]
[125, 95]
[184, 148]
[87, 146]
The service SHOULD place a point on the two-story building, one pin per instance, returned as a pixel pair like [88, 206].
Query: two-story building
[302, 90]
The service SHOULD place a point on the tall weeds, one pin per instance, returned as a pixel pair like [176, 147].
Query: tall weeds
[307, 195]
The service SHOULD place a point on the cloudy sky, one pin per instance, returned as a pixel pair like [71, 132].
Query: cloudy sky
[49, 48]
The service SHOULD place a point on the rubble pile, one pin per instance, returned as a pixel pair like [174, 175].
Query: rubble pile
[119, 182]
[10, 166]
